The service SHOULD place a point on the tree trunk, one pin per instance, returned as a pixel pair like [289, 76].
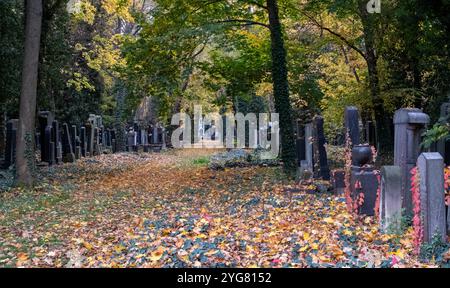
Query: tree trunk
[382, 119]
[281, 89]
[25, 161]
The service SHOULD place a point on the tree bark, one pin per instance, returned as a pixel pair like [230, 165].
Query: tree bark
[25, 161]
[281, 88]
[382, 119]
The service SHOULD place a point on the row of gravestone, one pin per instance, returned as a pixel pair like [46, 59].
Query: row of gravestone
[311, 150]
[63, 143]
[396, 198]
[152, 138]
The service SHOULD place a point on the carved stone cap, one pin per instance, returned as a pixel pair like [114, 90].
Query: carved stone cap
[411, 116]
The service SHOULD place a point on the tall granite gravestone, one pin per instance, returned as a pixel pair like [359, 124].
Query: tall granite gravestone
[432, 196]
[155, 135]
[300, 143]
[56, 139]
[45, 119]
[409, 125]
[75, 141]
[68, 152]
[322, 160]
[11, 134]
[351, 121]
[83, 141]
[391, 199]
[305, 146]
[90, 133]
[370, 133]
[49, 145]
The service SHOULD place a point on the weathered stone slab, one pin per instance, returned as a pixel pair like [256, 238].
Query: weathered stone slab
[432, 196]
[68, 154]
[391, 199]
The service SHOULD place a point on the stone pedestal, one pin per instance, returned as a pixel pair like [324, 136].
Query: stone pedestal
[409, 126]
[391, 199]
[369, 186]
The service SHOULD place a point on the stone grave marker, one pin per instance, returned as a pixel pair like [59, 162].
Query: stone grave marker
[409, 125]
[351, 120]
[56, 139]
[11, 134]
[322, 160]
[45, 119]
[391, 199]
[83, 141]
[432, 196]
[68, 152]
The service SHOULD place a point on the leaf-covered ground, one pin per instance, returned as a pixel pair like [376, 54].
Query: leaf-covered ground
[170, 210]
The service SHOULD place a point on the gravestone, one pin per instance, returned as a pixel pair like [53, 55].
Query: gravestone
[409, 125]
[432, 196]
[322, 160]
[338, 181]
[443, 145]
[68, 152]
[49, 145]
[90, 138]
[10, 149]
[83, 141]
[305, 146]
[131, 140]
[45, 119]
[366, 176]
[370, 133]
[390, 199]
[351, 121]
[155, 135]
[75, 141]
[56, 139]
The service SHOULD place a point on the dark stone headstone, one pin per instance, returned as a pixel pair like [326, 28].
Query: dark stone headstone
[90, 139]
[301, 147]
[409, 125]
[68, 154]
[83, 141]
[47, 144]
[324, 170]
[338, 181]
[74, 136]
[45, 119]
[56, 139]
[11, 134]
[391, 199]
[370, 132]
[351, 120]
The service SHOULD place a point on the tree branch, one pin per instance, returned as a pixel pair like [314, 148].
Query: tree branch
[244, 22]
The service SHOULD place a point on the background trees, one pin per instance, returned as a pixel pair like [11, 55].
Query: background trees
[106, 56]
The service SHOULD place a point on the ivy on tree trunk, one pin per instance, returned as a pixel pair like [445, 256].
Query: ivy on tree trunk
[281, 89]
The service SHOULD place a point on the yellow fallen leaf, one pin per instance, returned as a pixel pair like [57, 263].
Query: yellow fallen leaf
[157, 254]
[306, 236]
[328, 220]
[88, 245]
[304, 248]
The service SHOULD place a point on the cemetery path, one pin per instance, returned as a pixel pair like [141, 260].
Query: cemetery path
[170, 210]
